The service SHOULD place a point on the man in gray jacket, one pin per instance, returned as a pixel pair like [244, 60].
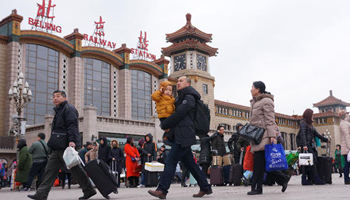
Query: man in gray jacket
[40, 152]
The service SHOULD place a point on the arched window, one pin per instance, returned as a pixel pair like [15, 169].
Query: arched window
[41, 72]
[141, 104]
[97, 85]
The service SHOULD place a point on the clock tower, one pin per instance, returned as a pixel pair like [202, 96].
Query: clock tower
[189, 56]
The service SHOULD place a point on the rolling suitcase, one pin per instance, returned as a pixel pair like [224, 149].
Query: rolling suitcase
[193, 181]
[324, 166]
[102, 176]
[216, 176]
[114, 168]
[151, 178]
[236, 172]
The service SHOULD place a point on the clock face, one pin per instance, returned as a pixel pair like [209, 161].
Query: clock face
[201, 62]
[179, 62]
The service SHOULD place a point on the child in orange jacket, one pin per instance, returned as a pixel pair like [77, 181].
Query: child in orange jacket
[164, 104]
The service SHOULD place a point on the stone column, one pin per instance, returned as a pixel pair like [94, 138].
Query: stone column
[48, 125]
[90, 123]
[75, 85]
[124, 83]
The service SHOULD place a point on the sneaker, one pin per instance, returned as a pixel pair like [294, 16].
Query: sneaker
[25, 189]
[141, 186]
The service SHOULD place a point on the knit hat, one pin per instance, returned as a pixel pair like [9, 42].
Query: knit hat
[165, 84]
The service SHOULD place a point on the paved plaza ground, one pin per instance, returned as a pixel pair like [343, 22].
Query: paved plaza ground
[295, 191]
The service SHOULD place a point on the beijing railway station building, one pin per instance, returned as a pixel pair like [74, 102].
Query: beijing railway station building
[112, 92]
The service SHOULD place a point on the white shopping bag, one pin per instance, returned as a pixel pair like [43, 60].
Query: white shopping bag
[71, 157]
[306, 159]
[348, 156]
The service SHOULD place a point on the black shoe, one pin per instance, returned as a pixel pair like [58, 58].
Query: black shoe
[184, 185]
[284, 187]
[87, 196]
[33, 196]
[254, 192]
[347, 182]
[68, 186]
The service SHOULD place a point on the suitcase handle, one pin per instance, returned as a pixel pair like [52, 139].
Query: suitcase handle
[241, 158]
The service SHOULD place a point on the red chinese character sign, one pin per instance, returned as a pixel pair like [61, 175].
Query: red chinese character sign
[97, 38]
[44, 18]
[141, 52]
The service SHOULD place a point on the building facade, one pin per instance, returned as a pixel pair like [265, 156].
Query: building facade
[112, 92]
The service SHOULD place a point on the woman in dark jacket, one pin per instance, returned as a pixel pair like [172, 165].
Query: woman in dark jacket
[24, 163]
[116, 156]
[205, 154]
[103, 150]
[306, 141]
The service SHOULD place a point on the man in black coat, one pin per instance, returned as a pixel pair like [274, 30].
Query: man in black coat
[181, 122]
[65, 123]
[218, 143]
[236, 144]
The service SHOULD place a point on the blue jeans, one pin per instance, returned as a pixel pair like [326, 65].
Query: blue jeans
[184, 155]
[346, 169]
[143, 178]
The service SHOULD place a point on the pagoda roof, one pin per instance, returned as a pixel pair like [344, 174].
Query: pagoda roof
[188, 30]
[330, 101]
[189, 44]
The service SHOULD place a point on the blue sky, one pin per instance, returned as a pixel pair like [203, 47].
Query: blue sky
[300, 49]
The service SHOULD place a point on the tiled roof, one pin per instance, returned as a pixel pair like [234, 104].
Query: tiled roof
[188, 30]
[330, 101]
[231, 105]
[189, 44]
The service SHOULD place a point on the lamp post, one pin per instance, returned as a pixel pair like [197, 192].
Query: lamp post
[19, 95]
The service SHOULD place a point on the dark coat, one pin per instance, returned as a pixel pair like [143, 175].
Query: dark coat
[82, 153]
[205, 155]
[149, 147]
[103, 151]
[118, 154]
[181, 121]
[24, 163]
[218, 144]
[162, 158]
[307, 134]
[232, 145]
[66, 121]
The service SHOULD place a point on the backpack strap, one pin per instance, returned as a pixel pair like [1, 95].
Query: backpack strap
[46, 152]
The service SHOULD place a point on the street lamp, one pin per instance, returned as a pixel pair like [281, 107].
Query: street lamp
[21, 96]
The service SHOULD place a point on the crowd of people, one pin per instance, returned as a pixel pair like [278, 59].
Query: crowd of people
[44, 163]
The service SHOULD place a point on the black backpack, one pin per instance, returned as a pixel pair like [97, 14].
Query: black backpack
[201, 119]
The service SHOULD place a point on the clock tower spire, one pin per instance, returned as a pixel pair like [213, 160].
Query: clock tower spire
[189, 56]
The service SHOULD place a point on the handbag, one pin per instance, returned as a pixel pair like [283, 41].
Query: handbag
[248, 163]
[306, 159]
[58, 141]
[348, 158]
[252, 133]
[275, 158]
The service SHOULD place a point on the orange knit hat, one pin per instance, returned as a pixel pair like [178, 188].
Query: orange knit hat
[165, 84]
